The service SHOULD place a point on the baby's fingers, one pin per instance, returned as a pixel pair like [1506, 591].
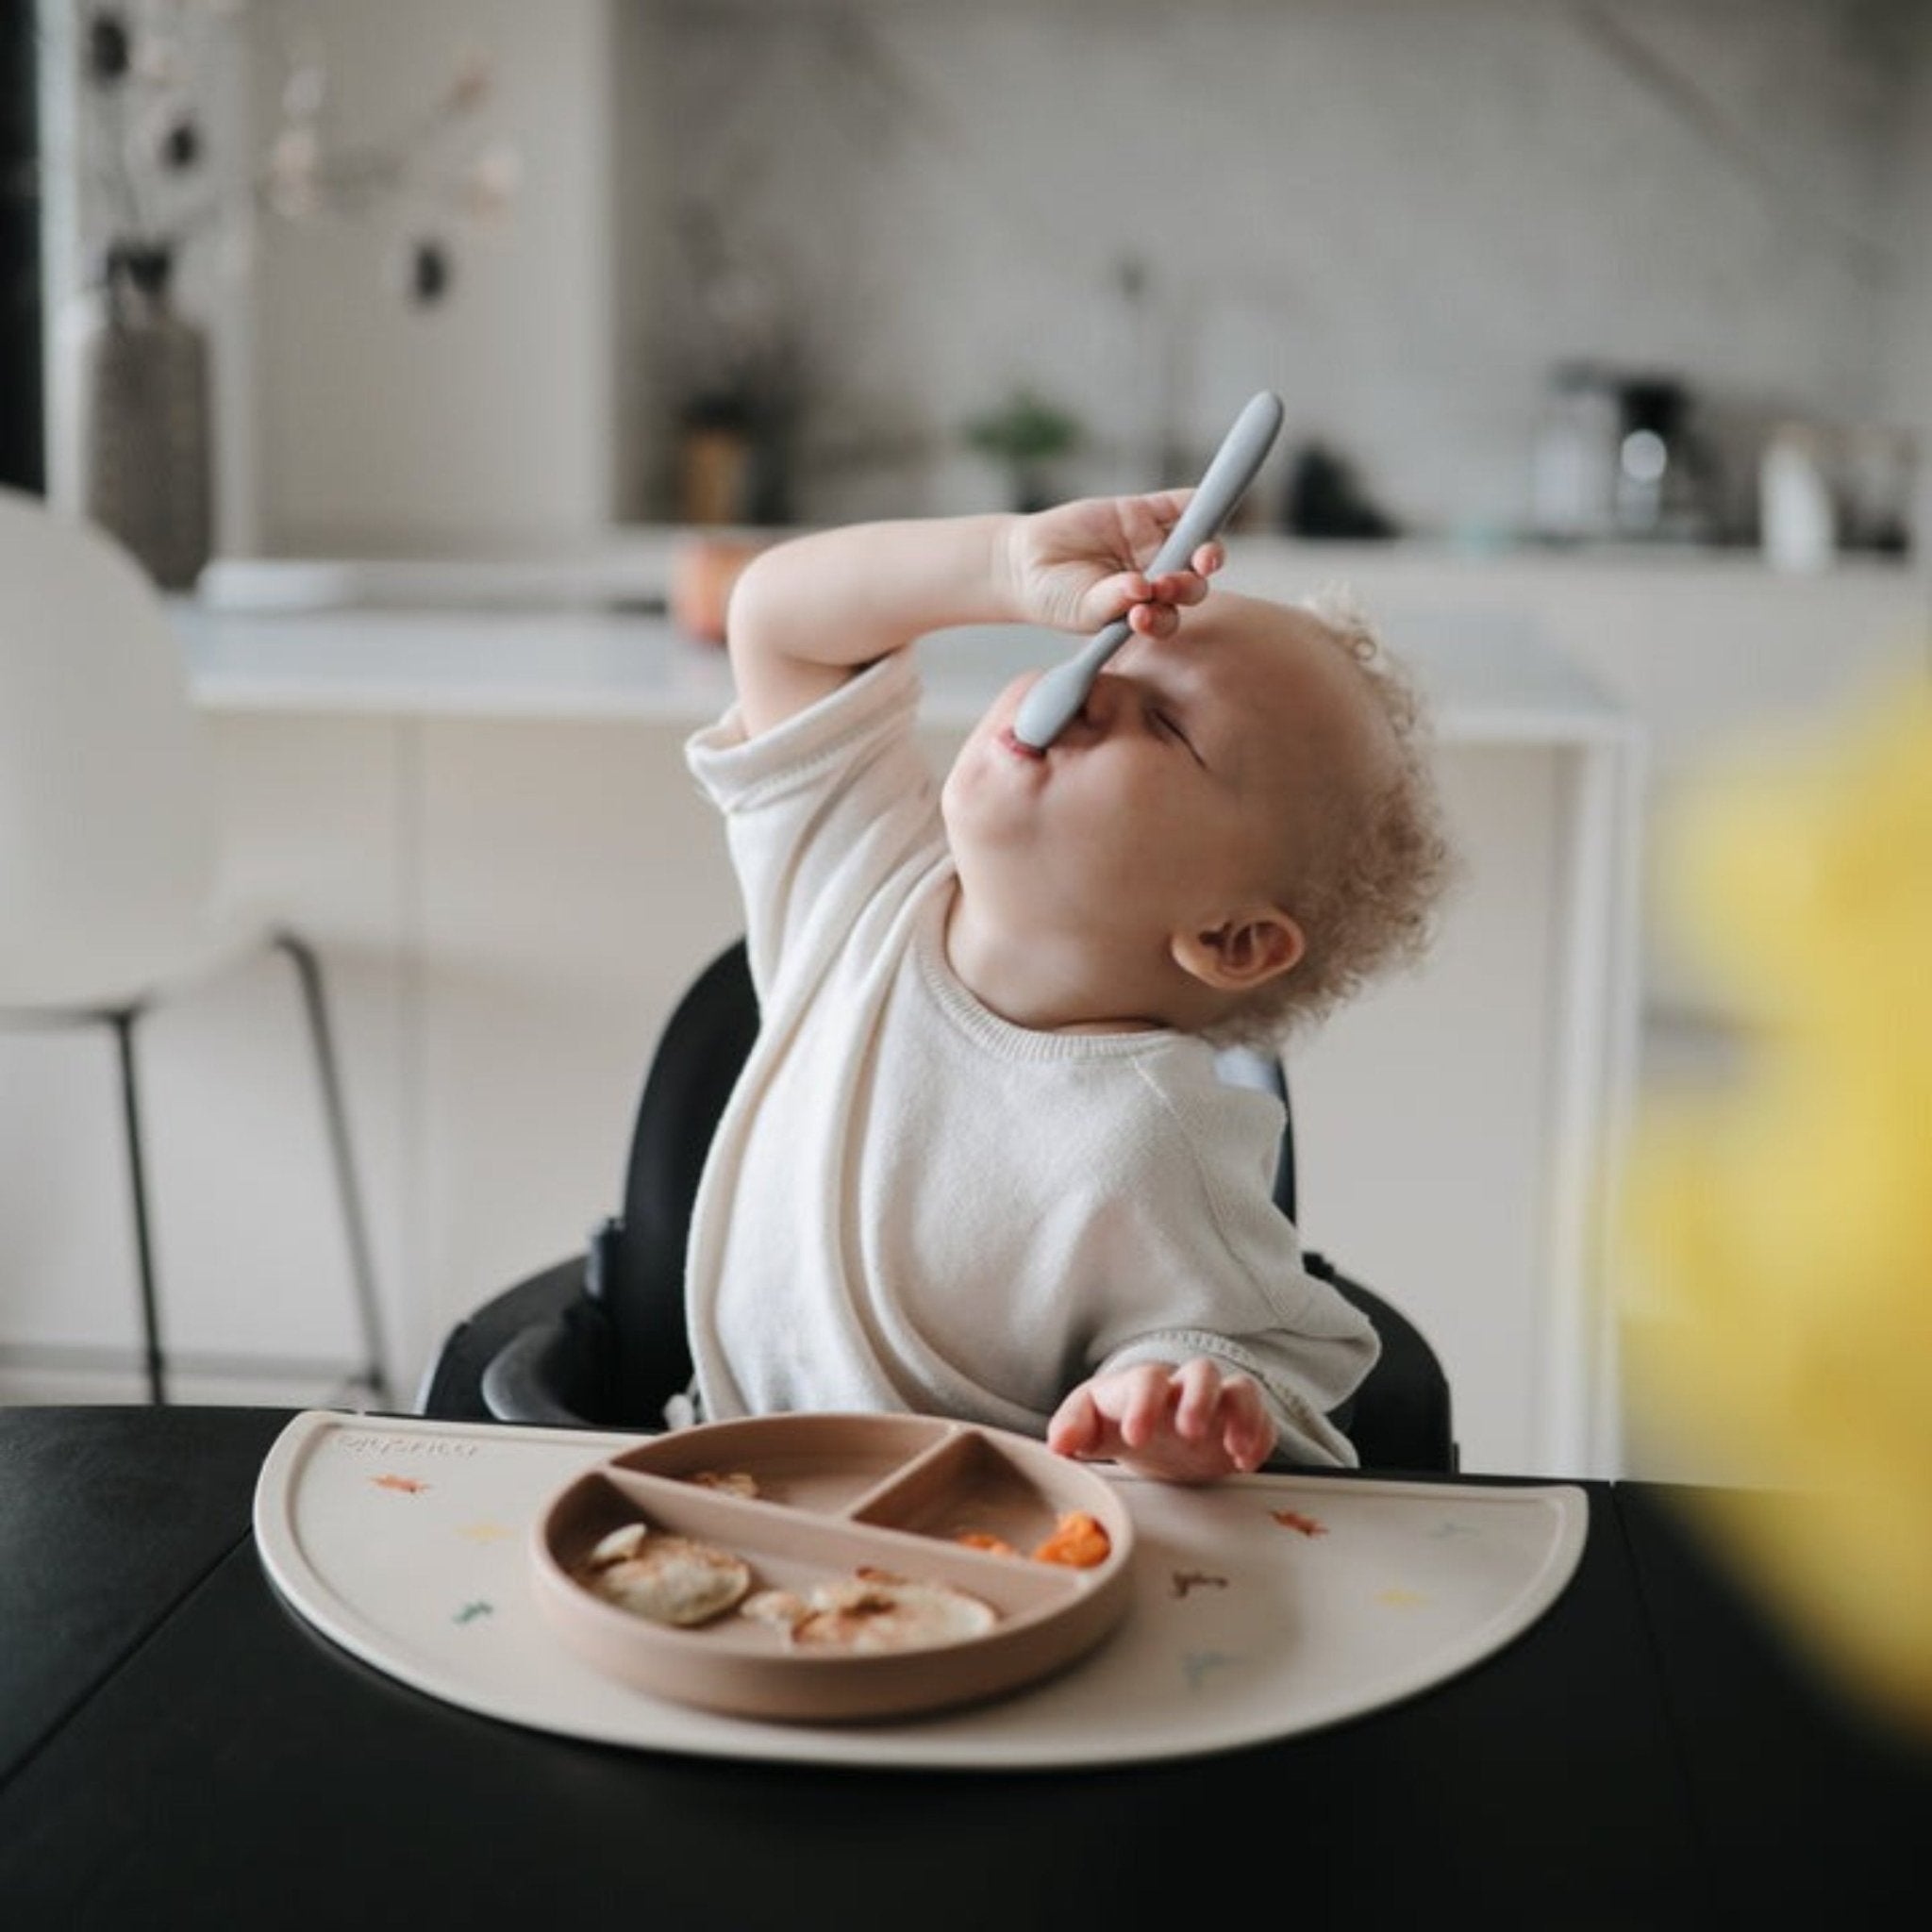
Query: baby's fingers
[1075, 1429]
[1247, 1430]
[1119, 595]
[1149, 521]
[1177, 588]
[1152, 620]
[1188, 585]
[1197, 1399]
[1141, 1399]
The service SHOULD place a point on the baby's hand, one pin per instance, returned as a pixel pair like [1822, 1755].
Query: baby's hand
[1187, 1424]
[1080, 565]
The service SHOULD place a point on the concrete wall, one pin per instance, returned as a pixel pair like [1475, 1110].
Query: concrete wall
[1398, 213]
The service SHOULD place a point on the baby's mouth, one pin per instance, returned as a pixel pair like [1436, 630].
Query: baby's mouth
[1019, 746]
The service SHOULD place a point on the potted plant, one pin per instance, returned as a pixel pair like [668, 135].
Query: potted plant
[1026, 435]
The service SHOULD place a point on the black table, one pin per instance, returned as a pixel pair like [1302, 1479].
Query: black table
[178, 1748]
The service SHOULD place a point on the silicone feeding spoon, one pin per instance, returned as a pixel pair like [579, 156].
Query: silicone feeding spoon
[1048, 709]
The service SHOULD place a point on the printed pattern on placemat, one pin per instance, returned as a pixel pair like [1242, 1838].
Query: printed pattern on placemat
[1263, 1607]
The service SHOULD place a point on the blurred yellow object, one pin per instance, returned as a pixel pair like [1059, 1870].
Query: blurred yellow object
[1782, 1228]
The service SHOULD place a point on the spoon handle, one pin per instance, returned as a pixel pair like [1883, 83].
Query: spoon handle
[1051, 703]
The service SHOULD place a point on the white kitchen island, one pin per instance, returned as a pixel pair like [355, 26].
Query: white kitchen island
[482, 815]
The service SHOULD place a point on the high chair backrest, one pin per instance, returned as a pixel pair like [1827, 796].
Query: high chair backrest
[703, 1046]
[600, 1339]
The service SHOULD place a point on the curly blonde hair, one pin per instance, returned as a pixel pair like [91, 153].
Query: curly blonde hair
[1367, 903]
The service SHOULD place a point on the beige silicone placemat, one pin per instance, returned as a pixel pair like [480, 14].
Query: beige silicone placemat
[1263, 1607]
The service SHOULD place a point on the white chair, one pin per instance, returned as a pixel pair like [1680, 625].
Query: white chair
[111, 845]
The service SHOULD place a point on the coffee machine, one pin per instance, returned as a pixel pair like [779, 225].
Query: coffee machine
[1618, 458]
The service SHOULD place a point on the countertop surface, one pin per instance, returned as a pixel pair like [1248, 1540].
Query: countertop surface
[578, 628]
[1489, 681]
[629, 562]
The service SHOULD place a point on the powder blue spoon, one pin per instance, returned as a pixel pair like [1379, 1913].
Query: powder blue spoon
[1052, 704]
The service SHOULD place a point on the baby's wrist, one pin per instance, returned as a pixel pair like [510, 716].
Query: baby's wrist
[1006, 570]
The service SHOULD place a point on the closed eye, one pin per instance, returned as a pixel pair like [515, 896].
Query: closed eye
[1165, 723]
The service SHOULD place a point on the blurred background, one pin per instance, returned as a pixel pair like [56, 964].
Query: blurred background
[1474, 245]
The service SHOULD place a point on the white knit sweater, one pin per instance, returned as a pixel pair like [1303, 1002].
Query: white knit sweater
[912, 1204]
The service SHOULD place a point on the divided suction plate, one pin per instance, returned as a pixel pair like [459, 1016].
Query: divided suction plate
[835, 1496]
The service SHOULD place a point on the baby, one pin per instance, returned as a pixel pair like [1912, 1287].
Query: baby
[981, 1162]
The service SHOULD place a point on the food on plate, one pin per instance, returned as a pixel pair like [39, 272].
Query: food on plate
[620, 1542]
[873, 1611]
[668, 1579]
[734, 1482]
[782, 1608]
[985, 1540]
[1079, 1539]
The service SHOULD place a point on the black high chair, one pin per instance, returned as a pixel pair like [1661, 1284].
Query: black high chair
[598, 1340]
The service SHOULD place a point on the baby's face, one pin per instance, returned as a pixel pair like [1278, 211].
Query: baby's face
[1189, 786]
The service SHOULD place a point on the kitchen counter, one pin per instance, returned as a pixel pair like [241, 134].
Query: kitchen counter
[630, 565]
[1490, 681]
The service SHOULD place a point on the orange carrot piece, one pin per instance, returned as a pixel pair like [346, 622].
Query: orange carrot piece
[983, 1540]
[1079, 1539]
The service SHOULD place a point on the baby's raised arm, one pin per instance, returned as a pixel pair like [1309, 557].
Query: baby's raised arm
[808, 614]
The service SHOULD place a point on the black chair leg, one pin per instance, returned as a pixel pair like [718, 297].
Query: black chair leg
[308, 971]
[123, 1023]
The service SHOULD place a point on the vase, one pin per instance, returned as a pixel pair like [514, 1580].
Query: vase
[142, 394]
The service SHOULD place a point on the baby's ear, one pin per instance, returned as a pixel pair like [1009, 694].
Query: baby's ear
[1243, 952]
